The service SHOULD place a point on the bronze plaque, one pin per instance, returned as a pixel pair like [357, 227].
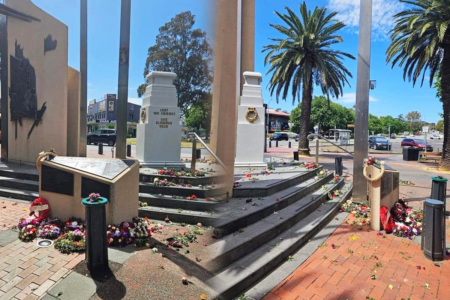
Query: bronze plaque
[56, 181]
[386, 184]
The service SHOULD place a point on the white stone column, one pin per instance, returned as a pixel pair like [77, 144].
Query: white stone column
[158, 141]
[250, 125]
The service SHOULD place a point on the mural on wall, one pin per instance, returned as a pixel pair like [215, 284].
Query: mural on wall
[49, 44]
[23, 90]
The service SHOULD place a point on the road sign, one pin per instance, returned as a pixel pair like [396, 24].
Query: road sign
[350, 125]
[425, 129]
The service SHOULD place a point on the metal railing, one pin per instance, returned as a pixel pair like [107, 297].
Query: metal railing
[194, 152]
[316, 135]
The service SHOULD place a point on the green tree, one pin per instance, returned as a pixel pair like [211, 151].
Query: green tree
[185, 51]
[420, 42]
[199, 115]
[304, 58]
[413, 118]
[440, 126]
[375, 124]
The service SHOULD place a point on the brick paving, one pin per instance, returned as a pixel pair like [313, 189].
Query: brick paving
[26, 271]
[363, 265]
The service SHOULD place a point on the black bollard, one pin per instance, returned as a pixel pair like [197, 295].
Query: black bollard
[270, 144]
[289, 145]
[96, 245]
[296, 155]
[198, 153]
[338, 166]
[439, 189]
[100, 148]
[276, 144]
[128, 150]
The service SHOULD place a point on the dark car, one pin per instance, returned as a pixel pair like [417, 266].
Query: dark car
[417, 143]
[104, 136]
[279, 137]
[378, 143]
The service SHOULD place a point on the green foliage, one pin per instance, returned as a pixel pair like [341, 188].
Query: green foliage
[68, 243]
[375, 124]
[199, 115]
[440, 126]
[413, 118]
[328, 115]
[181, 49]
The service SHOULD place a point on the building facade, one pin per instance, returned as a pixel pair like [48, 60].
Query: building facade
[102, 113]
[277, 120]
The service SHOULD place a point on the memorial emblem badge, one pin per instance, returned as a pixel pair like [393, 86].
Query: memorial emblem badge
[143, 115]
[251, 114]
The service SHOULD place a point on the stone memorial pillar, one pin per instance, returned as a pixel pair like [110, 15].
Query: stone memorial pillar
[158, 142]
[251, 124]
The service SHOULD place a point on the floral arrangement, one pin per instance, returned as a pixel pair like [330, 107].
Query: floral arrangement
[311, 165]
[408, 221]
[192, 197]
[27, 233]
[334, 194]
[163, 183]
[357, 209]
[94, 197]
[50, 229]
[72, 224]
[73, 241]
[372, 161]
[138, 231]
[321, 174]
[182, 173]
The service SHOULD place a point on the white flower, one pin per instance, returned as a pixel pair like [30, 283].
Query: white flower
[408, 220]
[414, 230]
[155, 250]
[75, 223]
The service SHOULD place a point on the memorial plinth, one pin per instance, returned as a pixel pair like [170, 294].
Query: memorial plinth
[383, 192]
[251, 124]
[64, 181]
[158, 137]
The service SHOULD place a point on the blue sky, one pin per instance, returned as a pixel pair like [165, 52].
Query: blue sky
[392, 96]
[103, 30]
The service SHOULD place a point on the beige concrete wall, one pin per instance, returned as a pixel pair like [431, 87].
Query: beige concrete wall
[247, 38]
[125, 194]
[51, 82]
[223, 115]
[73, 112]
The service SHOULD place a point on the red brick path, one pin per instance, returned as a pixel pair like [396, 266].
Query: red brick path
[346, 271]
[26, 271]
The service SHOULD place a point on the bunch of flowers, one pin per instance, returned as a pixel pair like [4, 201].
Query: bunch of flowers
[94, 197]
[334, 194]
[119, 236]
[408, 222]
[372, 161]
[73, 241]
[138, 232]
[163, 183]
[357, 209]
[73, 224]
[28, 228]
[311, 165]
[322, 174]
[192, 197]
[176, 173]
[50, 229]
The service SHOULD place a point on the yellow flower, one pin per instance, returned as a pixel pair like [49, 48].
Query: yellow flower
[419, 224]
[321, 172]
[391, 286]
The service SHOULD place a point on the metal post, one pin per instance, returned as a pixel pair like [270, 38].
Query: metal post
[124, 64]
[83, 77]
[362, 102]
[194, 155]
[4, 85]
[265, 128]
[317, 151]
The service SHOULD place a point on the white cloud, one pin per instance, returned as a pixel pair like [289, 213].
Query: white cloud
[382, 15]
[137, 101]
[350, 98]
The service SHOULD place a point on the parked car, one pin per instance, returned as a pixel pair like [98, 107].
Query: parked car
[416, 143]
[393, 136]
[378, 143]
[104, 136]
[280, 136]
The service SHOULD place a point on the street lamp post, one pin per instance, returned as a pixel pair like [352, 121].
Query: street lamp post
[362, 101]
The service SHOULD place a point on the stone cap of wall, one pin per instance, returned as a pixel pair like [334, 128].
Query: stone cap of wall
[163, 78]
[252, 78]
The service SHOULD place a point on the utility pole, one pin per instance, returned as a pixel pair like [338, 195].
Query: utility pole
[83, 77]
[362, 101]
[124, 64]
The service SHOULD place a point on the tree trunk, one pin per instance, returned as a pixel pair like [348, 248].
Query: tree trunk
[303, 142]
[445, 83]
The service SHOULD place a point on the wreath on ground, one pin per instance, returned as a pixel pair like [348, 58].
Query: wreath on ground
[73, 241]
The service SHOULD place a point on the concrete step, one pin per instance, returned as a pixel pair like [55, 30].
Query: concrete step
[234, 220]
[207, 218]
[245, 272]
[232, 247]
[275, 187]
[203, 180]
[200, 204]
[19, 175]
[206, 191]
[18, 194]
[19, 184]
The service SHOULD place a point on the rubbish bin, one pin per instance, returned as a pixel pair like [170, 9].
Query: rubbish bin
[439, 189]
[433, 230]
[296, 155]
[198, 153]
[410, 154]
[96, 244]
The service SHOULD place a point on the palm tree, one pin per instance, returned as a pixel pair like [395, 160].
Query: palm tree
[420, 42]
[303, 58]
